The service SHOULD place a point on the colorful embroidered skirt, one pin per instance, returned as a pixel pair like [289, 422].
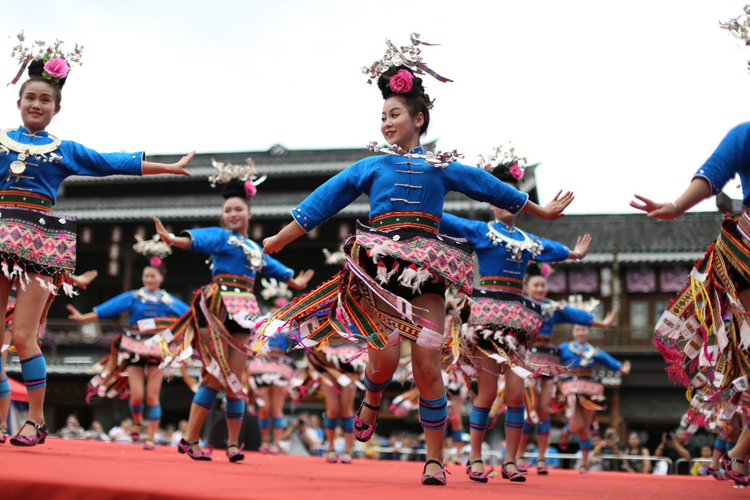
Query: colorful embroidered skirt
[500, 323]
[139, 347]
[704, 335]
[226, 306]
[37, 242]
[581, 387]
[377, 263]
[273, 369]
[543, 356]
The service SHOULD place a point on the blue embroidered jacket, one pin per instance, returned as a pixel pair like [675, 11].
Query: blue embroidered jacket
[45, 178]
[732, 156]
[395, 184]
[495, 259]
[234, 254]
[142, 304]
[568, 356]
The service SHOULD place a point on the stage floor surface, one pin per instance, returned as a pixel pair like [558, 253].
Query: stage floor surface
[63, 469]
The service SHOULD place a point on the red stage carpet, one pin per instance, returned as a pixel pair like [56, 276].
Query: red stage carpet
[87, 469]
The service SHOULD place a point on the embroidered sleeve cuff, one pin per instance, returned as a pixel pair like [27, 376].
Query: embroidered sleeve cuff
[518, 207]
[304, 222]
[701, 174]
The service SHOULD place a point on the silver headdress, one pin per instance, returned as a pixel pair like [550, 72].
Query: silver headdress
[152, 247]
[577, 302]
[53, 63]
[228, 171]
[739, 27]
[499, 157]
[409, 56]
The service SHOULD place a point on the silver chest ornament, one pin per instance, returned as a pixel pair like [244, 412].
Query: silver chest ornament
[44, 153]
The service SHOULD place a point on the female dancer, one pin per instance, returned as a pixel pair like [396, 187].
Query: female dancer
[582, 388]
[269, 374]
[339, 365]
[499, 323]
[81, 282]
[406, 188]
[545, 353]
[723, 273]
[150, 310]
[34, 165]
[219, 321]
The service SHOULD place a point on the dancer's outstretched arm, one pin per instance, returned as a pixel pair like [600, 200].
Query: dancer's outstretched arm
[276, 243]
[698, 190]
[552, 210]
[179, 168]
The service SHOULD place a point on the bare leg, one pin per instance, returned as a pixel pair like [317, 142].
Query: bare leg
[264, 413]
[5, 401]
[542, 410]
[346, 405]
[136, 380]
[198, 416]
[237, 362]
[153, 389]
[333, 410]
[278, 396]
[381, 366]
[29, 307]
[426, 364]
[487, 393]
[513, 397]
[587, 417]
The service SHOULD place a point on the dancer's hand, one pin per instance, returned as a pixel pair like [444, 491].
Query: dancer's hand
[85, 279]
[582, 246]
[272, 244]
[302, 279]
[553, 210]
[663, 211]
[558, 370]
[625, 370]
[180, 168]
[165, 235]
[75, 314]
[610, 319]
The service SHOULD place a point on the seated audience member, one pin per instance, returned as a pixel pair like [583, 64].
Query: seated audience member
[636, 448]
[699, 468]
[121, 433]
[72, 429]
[96, 432]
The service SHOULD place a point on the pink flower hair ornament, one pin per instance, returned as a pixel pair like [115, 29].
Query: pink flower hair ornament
[155, 261]
[56, 68]
[402, 82]
[516, 172]
[545, 270]
[250, 189]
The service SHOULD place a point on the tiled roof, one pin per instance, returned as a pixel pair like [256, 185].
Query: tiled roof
[636, 235]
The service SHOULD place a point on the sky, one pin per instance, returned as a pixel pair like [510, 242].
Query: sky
[612, 98]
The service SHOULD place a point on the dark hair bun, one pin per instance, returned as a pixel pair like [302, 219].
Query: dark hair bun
[502, 173]
[234, 188]
[384, 83]
[36, 72]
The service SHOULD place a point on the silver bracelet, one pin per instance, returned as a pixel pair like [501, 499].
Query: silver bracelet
[676, 207]
[173, 237]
